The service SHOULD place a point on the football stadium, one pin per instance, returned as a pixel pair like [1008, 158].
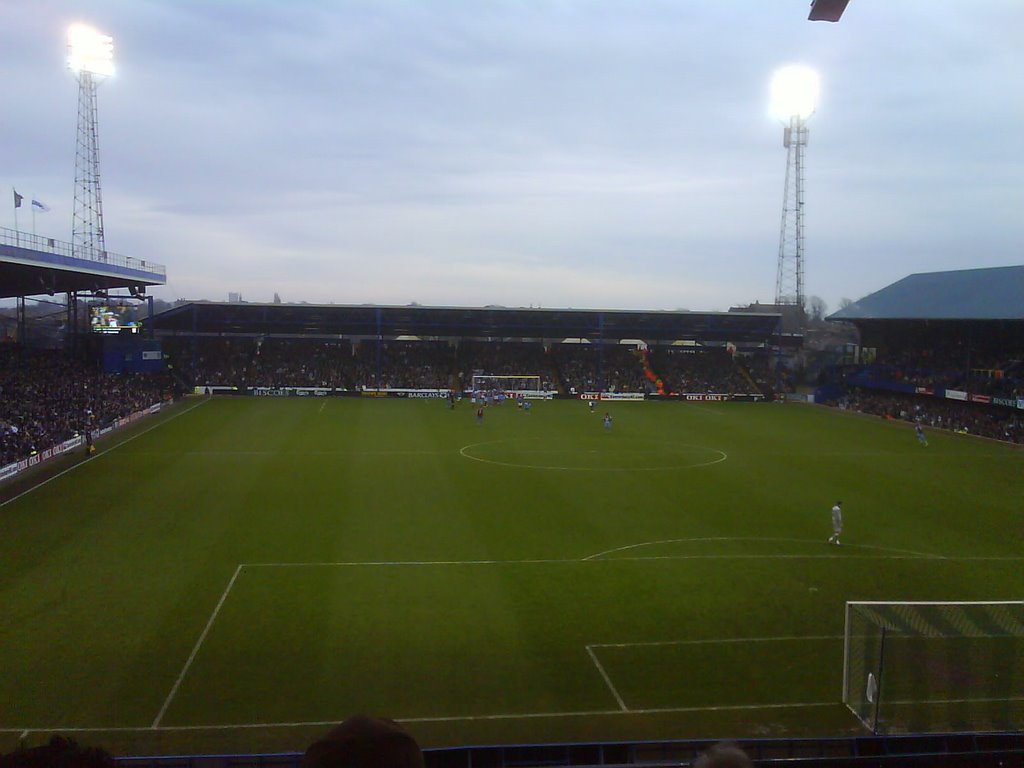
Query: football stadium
[507, 536]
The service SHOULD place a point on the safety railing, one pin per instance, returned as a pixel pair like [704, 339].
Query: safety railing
[49, 245]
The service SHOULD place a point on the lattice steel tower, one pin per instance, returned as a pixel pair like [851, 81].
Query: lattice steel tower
[91, 58]
[794, 96]
[789, 278]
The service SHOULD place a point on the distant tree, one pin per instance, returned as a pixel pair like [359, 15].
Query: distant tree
[844, 303]
[816, 309]
[277, 298]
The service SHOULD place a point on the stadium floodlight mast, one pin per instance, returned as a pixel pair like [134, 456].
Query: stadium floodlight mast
[91, 59]
[795, 91]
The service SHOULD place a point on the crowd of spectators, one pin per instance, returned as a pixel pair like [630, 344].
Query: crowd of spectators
[300, 362]
[686, 369]
[597, 367]
[952, 367]
[403, 365]
[966, 418]
[506, 358]
[406, 364]
[209, 359]
[304, 362]
[49, 396]
[766, 375]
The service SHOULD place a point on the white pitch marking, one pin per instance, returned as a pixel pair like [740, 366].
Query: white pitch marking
[102, 453]
[479, 718]
[607, 679]
[195, 649]
[635, 559]
[321, 410]
[300, 453]
[442, 719]
[638, 559]
[760, 539]
[463, 452]
[715, 641]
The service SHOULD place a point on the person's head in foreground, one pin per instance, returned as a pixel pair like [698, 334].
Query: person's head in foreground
[365, 742]
[724, 755]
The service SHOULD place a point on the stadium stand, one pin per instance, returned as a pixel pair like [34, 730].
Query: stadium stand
[573, 351]
[952, 750]
[47, 397]
[506, 358]
[686, 369]
[599, 368]
[942, 348]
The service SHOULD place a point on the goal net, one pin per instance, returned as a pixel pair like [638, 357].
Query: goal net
[508, 384]
[930, 667]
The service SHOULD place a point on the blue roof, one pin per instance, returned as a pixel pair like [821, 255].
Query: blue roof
[995, 293]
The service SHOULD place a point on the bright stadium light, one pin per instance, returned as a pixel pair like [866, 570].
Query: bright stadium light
[795, 91]
[90, 51]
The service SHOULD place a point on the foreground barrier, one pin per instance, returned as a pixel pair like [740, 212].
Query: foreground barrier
[951, 750]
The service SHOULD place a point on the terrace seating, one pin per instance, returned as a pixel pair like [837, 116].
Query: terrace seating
[685, 369]
[48, 396]
[966, 418]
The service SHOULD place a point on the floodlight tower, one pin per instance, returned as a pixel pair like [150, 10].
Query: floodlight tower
[794, 97]
[91, 59]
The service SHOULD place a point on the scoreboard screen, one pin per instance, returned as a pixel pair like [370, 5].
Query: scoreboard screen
[113, 318]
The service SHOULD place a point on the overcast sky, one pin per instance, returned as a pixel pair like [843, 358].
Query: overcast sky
[561, 153]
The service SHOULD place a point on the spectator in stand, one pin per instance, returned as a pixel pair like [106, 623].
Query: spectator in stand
[600, 367]
[365, 742]
[996, 369]
[705, 371]
[47, 397]
[980, 419]
[58, 752]
[724, 755]
[505, 358]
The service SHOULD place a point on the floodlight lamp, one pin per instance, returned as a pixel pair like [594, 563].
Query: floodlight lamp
[90, 51]
[795, 91]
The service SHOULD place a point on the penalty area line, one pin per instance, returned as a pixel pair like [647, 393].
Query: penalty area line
[607, 679]
[195, 649]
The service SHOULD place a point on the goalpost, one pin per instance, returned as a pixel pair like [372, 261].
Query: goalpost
[510, 385]
[930, 666]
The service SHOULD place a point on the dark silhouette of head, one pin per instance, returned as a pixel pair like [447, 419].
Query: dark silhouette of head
[724, 755]
[365, 742]
[58, 752]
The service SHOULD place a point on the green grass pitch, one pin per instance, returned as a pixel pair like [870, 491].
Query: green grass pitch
[238, 574]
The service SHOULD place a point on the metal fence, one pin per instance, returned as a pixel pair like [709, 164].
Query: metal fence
[67, 250]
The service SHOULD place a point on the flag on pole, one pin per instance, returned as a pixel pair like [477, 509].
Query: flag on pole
[39, 206]
[17, 199]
